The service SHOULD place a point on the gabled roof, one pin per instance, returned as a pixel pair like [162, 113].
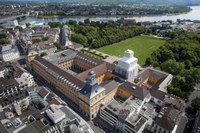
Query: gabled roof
[59, 71]
[99, 70]
[165, 123]
[158, 94]
[87, 57]
[169, 118]
[135, 90]
[111, 85]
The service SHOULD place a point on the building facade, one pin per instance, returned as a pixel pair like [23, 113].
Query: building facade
[130, 101]
[9, 53]
[2, 69]
[91, 97]
[8, 87]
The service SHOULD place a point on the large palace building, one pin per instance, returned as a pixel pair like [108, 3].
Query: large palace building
[119, 93]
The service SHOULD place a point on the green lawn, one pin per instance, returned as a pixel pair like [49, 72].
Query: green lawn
[142, 46]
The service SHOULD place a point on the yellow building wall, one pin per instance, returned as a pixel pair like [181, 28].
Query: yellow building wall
[103, 77]
[66, 64]
[109, 96]
[85, 104]
[100, 78]
[72, 95]
[152, 80]
[82, 64]
[123, 93]
[108, 75]
[28, 60]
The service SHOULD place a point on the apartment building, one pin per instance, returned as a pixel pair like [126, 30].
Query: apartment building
[9, 52]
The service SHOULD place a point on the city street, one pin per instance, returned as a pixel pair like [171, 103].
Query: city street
[193, 95]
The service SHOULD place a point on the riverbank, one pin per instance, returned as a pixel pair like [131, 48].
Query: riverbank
[192, 15]
[119, 16]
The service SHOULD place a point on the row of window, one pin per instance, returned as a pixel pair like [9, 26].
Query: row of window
[96, 98]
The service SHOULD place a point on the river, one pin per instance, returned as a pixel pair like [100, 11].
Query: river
[192, 15]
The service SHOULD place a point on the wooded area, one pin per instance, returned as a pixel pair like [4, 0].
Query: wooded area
[180, 56]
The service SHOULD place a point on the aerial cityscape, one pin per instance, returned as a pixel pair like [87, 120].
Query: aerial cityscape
[99, 66]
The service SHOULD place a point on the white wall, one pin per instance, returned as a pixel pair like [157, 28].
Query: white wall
[10, 56]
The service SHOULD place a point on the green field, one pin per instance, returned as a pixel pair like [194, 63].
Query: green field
[142, 46]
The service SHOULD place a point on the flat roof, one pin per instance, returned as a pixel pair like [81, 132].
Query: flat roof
[130, 105]
[63, 55]
[127, 112]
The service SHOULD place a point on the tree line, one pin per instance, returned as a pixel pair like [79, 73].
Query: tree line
[96, 34]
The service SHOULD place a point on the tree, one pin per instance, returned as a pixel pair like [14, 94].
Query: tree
[2, 35]
[192, 76]
[4, 41]
[55, 24]
[72, 22]
[19, 28]
[28, 24]
[102, 34]
[43, 54]
[174, 90]
[149, 61]
[188, 64]
[165, 54]
[87, 21]
[173, 67]
[180, 56]
[78, 38]
[178, 81]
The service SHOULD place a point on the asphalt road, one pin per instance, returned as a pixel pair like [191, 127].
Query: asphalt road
[193, 95]
[189, 111]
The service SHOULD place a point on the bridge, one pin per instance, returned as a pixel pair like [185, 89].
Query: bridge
[13, 18]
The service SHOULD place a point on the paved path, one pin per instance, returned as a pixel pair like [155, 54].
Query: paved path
[111, 59]
[193, 95]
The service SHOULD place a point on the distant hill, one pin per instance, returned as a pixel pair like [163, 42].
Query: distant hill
[160, 2]
[153, 2]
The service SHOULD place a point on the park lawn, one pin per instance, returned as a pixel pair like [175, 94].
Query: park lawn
[142, 46]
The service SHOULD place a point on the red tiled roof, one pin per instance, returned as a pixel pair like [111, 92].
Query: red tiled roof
[61, 72]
